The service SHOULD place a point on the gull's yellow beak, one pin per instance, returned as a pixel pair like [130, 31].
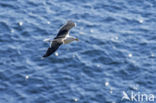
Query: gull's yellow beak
[76, 39]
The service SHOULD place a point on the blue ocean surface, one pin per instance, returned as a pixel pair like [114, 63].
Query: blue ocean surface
[114, 58]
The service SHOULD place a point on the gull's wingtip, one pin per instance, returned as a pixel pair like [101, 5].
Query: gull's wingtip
[71, 22]
[44, 56]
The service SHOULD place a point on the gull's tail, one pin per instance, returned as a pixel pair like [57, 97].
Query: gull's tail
[47, 40]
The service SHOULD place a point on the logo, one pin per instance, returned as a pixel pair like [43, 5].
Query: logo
[138, 97]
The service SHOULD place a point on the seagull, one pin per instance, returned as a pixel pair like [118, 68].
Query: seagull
[62, 37]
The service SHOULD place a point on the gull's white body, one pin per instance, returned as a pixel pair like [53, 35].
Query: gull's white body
[66, 40]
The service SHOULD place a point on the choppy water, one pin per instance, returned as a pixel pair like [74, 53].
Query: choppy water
[116, 52]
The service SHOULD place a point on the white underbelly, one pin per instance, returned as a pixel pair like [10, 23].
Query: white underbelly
[67, 40]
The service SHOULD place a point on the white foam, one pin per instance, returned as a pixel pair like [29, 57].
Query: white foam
[116, 38]
[98, 65]
[130, 55]
[152, 55]
[26, 77]
[56, 54]
[75, 99]
[20, 23]
[141, 20]
[106, 83]
[48, 22]
[91, 30]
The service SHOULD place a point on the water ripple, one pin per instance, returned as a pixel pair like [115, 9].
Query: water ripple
[117, 43]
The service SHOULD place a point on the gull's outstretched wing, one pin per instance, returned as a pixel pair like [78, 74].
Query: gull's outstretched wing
[65, 29]
[54, 46]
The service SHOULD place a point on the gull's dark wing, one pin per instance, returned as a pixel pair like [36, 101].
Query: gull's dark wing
[65, 29]
[54, 46]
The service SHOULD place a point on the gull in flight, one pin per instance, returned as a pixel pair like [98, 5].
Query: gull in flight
[62, 37]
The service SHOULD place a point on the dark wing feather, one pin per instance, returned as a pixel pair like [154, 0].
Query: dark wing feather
[65, 29]
[54, 46]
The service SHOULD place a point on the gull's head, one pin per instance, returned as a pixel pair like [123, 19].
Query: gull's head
[69, 39]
